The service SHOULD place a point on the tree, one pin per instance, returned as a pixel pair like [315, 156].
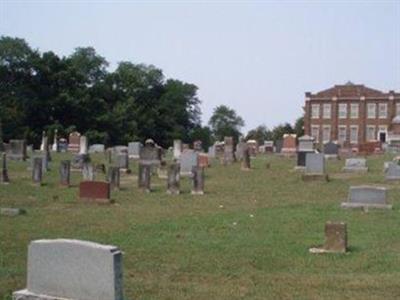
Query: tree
[225, 122]
[299, 126]
[260, 134]
[280, 130]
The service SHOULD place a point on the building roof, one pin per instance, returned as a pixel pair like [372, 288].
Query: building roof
[349, 90]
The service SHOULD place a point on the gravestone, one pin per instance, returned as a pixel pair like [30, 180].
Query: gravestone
[229, 146]
[73, 270]
[78, 160]
[134, 150]
[177, 149]
[392, 171]
[198, 180]
[198, 146]
[162, 170]
[17, 150]
[37, 170]
[45, 162]
[331, 150]
[203, 160]
[65, 171]
[357, 165]
[245, 165]
[173, 181]
[97, 148]
[12, 212]
[46, 152]
[83, 145]
[211, 151]
[94, 191]
[278, 146]
[88, 172]
[306, 144]
[315, 163]
[289, 146]
[42, 144]
[123, 162]
[240, 147]
[269, 146]
[366, 197]
[335, 238]
[150, 155]
[113, 177]
[144, 177]
[4, 179]
[301, 159]
[74, 141]
[188, 160]
[54, 147]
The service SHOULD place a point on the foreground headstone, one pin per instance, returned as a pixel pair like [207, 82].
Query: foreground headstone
[366, 197]
[315, 167]
[113, 177]
[37, 170]
[188, 160]
[134, 150]
[335, 238]
[392, 172]
[198, 181]
[72, 270]
[301, 161]
[4, 170]
[173, 181]
[356, 165]
[65, 172]
[94, 191]
[144, 177]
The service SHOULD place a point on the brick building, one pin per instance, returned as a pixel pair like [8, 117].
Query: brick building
[351, 114]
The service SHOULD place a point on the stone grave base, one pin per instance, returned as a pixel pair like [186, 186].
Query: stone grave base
[170, 192]
[364, 206]
[197, 192]
[300, 168]
[322, 250]
[26, 295]
[315, 177]
[392, 178]
[355, 170]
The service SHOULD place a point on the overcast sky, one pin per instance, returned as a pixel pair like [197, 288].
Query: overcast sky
[258, 57]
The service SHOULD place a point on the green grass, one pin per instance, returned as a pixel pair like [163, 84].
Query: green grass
[246, 238]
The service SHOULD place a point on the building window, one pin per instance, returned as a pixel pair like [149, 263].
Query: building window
[326, 111]
[315, 133]
[315, 111]
[371, 110]
[326, 134]
[397, 109]
[371, 133]
[354, 134]
[342, 134]
[354, 110]
[342, 110]
[382, 110]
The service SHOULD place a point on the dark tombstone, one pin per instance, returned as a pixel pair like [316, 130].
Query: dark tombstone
[17, 150]
[173, 182]
[301, 159]
[335, 239]
[37, 167]
[4, 171]
[198, 181]
[94, 191]
[278, 146]
[331, 150]
[65, 170]
[144, 177]
[88, 172]
[229, 157]
[113, 177]
[246, 159]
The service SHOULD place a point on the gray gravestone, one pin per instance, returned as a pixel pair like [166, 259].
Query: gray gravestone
[392, 172]
[65, 172]
[173, 181]
[134, 150]
[78, 160]
[229, 157]
[211, 151]
[97, 148]
[88, 172]
[306, 144]
[144, 177]
[278, 146]
[315, 163]
[188, 160]
[45, 162]
[240, 148]
[4, 170]
[83, 148]
[37, 170]
[356, 165]
[198, 180]
[367, 197]
[17, 150]
[72, 269]
[177, 149]
[245, 158]
[150, 155]
[123, 162]
[331, 149]
[113, 177]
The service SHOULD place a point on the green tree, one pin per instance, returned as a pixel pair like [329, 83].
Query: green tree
[299, 126]
[280, 130]
[225, 122]
[260, 134]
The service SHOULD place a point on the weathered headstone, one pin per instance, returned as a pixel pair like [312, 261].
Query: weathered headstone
[306, 144]
[245, 164]
[37, 170]
[198, 145]
[88, 172]
[162, 170]
[240, 147]
[203, 160]
[177, 149]
[278, 146]
[393, 171]
[45, 162]
[113, 177]
[73, 270]
[4, 170]
[150, 155]
[97, 148]
[188, 160]
[54, 147]
[301, 159]
[83, 146]
[358, 165]
[366, 197]
[17, 150]
[78, 160]
[229, 146]
[269, 146]
[331, 150]
[123, 162]
[134, 150]
[198, 181]
[42, 144]
[65, 171]
[335, 238]
[74, 141]
[173, 181]
[144, 177]
[94, 191]
[211, 151]
[315, 167]
[289, 146]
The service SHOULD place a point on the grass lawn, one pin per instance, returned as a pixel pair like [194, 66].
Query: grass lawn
[246, 238]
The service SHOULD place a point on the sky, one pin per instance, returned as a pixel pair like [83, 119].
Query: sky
[257, 57]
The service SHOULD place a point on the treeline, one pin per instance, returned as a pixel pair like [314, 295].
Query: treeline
[43, 91]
